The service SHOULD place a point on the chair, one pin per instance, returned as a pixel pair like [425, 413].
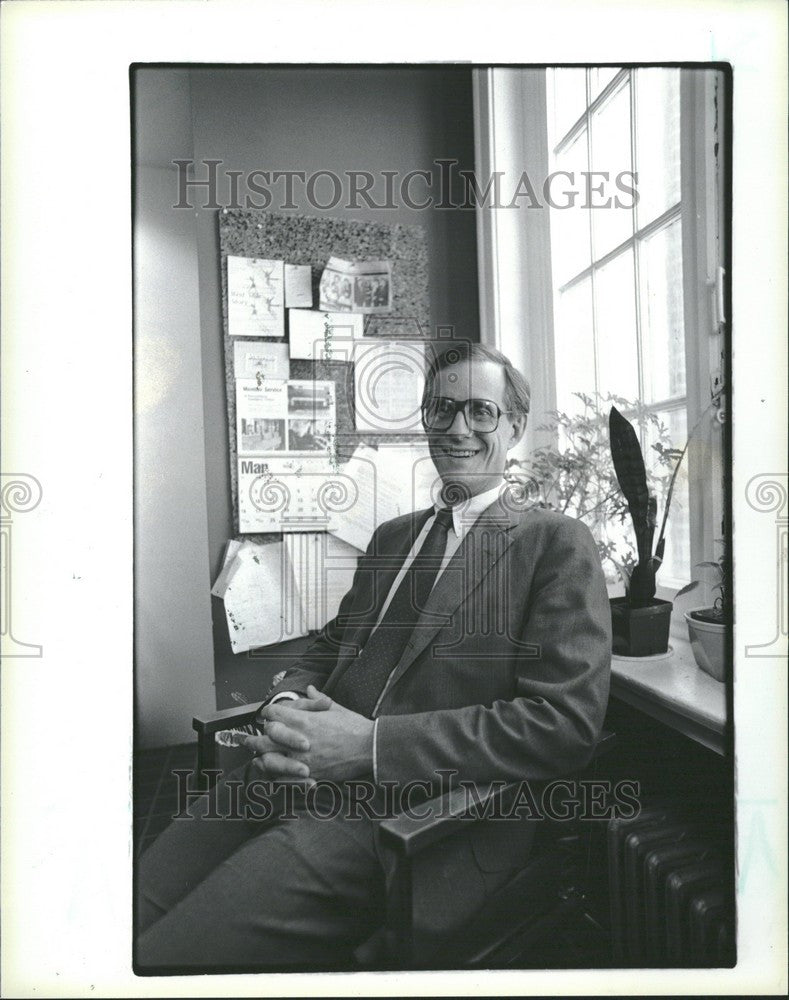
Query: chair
[546, 895]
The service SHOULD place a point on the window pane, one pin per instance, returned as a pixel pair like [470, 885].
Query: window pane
[570, 246]
[611, 224]
[566, 101]
[657, 137]
[662, 318]
[675, 570]
[600, 77]
[574, 346]
[615, 322]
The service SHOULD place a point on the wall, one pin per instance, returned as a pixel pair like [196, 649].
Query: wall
[306, 119]
[330, 119]
[174, 664]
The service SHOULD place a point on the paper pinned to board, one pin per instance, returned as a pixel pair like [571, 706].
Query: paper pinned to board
[409, 464]
[322, 568]
[372, 501]
[357, 286]
[389, 380]
[229, 566]
[294, 416]
[393, 480]
[282, 494]
[260, 359]
[298, 286]
[261, 412]
[323, 336]
[312, 416]
[285, 589]
[255, 297]
[255, 617]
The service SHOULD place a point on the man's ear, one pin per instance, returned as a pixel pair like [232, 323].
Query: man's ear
[518, 429]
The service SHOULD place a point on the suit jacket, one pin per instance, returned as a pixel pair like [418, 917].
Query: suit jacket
[506, 675]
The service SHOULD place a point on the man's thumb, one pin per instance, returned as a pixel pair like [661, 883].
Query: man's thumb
[318, 696]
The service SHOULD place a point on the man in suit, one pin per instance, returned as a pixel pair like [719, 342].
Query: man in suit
[474, 642]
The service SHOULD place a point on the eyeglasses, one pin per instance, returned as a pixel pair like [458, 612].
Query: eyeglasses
[481, 415]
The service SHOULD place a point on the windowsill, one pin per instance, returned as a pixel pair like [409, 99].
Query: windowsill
[675, 691]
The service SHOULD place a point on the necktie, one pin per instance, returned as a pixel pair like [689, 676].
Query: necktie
[362, 683]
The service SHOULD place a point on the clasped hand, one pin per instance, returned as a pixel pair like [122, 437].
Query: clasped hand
[310, 739]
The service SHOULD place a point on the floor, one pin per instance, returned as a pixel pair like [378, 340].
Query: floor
[156, 790]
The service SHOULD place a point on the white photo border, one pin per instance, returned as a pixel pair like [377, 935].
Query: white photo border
[66, 329]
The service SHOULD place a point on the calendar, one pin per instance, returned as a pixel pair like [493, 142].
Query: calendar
[291, 494]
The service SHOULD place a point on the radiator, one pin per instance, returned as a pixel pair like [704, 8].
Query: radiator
[671, 890]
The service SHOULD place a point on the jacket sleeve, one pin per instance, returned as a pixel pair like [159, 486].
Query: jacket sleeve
[550, 727]
[320, 658]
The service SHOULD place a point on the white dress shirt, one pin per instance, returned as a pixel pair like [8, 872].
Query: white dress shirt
[463, 516]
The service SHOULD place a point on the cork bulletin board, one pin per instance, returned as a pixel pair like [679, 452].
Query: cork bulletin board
[302, 239]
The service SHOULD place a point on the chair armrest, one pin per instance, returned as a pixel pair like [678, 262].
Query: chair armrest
[226, 719]
[408, 834]
[206, 725]
[438, 818]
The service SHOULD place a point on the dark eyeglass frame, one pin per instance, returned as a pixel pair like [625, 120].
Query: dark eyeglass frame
[462, 406]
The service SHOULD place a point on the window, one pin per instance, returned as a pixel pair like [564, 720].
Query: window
[616, 255]
[622, 299]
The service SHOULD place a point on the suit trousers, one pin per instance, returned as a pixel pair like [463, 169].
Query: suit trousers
[297, 890]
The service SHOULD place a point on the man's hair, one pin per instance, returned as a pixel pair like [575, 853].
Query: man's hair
[517, 393]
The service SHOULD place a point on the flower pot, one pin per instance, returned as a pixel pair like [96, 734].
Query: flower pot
[640, 631]
[708, 641]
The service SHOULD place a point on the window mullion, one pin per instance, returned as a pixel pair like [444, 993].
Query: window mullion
[592, 290]
[591, 106]
[672, 403]
[636, 244]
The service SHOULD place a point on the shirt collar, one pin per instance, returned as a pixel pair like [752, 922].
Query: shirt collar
[466, 513]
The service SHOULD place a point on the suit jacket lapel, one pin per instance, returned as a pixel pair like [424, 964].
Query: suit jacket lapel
[484, 545]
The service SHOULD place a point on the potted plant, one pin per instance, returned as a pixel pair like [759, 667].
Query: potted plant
[573, 473]
[707, 626]
[640, 621]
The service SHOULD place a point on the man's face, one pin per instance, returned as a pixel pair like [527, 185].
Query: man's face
[473, 460]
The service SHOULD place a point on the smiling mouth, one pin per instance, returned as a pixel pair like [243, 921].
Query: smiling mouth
[458, 452]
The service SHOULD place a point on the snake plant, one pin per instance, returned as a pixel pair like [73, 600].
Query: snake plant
[631, 475]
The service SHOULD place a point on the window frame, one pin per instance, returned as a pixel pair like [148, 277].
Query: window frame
[514, 263]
